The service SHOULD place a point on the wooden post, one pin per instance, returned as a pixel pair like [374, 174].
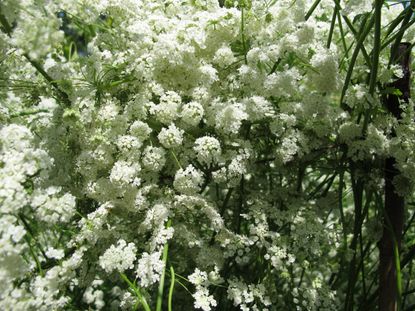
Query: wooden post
[393, 220]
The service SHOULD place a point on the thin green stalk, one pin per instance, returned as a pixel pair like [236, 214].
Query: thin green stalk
[176, 159]
[163, 275]
[180, 283]
[172, 282]
[182, 277]
[362, 262]
[342, 34]
[240, 205]
[407, 290]
[353, 30]
[376, 46]
[399, 35]
[243, 34]
[32, 253]
[340, 204]
[31, 234]
[363, 32]
[311, 10]
[397, 259]
[333, 23]
[358, 188]
[136, 291]
[375, 61]
[411, 219]
[5, 24]
[344, 58]
[326, 181]
[392, 25]
[161, 284]
[28, 113]
[409, 256]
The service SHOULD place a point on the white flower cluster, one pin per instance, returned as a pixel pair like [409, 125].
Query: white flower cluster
[25, 198]
[154, 158]
[168, 109]
[208, 134]
[171, 137]
[95, 296]
[40, 40]
[120, 257]
[201, 280]
[149, 268]
[125, 172]
[207, 149]
[244, 295]
[188, 181]
[192, 113]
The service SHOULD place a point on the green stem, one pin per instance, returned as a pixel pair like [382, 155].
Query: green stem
[161, 284]
[376, 46]
[343, 36]
[64, 97]
[397, 261]
[172, 282]
[243, 34]
[375, 61]
[396, 257]
[353, 30]
[311, 10]
[32, 253]
[363, 32]
[176, 159]
[136, 291]
[163, 275]
[333, 23]
[5, 24]
[28, 113]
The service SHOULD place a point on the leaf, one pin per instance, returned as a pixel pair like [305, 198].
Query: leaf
[391, 91]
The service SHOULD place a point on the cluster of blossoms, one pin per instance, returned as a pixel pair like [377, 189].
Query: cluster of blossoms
[188, 140]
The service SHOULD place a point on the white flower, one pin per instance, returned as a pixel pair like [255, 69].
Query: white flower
[51, 208]
[355, 7]
[192, 113]
[120, 257]
[36, 35]
[207, 149]
[198, 278]
[153, 158]
[259, 108]
[124, 172]
[203, 300]
[326, 78]
[55, 253]
[92, 295]
[224, 56]
[108, 112]
[127, 143]
[209, 74]
[15, 137]
[140, 129]
[188, 181]
[149, 269]
[167, 110]
[229, 120]
[171, 137]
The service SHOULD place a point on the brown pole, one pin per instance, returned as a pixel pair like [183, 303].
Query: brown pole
[393, 220]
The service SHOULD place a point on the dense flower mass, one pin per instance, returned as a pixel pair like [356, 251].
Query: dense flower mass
[200, 154]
